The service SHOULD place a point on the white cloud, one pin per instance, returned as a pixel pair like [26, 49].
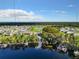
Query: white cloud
[44, 10]
[71, 5]
[60, 12]
[18, 14]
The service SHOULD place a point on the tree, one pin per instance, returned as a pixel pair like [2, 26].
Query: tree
[33, 38]
[51, 34]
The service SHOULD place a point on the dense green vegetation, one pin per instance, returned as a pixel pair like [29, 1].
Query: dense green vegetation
[50, 34]
[21, 38]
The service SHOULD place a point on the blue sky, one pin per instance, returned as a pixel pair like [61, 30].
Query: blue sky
[39, 10]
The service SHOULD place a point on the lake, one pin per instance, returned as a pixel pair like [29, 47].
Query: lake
[30, 53]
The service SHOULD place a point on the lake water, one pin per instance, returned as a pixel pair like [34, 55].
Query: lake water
[30, 53]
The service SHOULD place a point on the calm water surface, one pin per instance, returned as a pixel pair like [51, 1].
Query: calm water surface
[29, 53]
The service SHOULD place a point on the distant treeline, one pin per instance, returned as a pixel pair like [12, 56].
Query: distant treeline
[74, 24]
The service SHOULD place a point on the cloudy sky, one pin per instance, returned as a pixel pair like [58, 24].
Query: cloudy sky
[39, 10]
